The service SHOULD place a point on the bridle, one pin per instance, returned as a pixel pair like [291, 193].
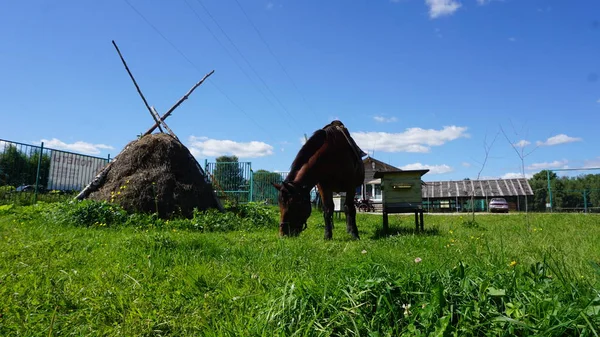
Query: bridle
[304, 199]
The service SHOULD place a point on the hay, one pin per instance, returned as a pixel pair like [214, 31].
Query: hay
[157, 174]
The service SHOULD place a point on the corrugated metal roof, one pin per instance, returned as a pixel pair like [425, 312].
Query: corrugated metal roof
[481, 188]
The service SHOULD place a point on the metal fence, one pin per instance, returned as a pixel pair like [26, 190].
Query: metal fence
[232, 181]
[569, 193]
[263, 189]
[237, 182]
[29, 173]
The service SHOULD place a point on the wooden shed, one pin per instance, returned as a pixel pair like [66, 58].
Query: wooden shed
[402, 193]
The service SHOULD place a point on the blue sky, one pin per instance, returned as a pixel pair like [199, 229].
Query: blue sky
[419, 83]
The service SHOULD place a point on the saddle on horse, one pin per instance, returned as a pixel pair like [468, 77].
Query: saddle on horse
[340, 126]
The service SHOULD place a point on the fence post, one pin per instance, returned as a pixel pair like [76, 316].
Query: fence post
[251, 183]
[585, 201]
[549, 189]
[37, 175]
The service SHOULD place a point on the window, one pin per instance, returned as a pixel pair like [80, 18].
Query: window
[377, 195]
[369, 191]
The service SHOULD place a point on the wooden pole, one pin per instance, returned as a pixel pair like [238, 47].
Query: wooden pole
[157, 117]
[168, 113]
[136, 86]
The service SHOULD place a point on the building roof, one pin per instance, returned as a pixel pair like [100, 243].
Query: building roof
[382, 166]
[380, 174]
[482, 188]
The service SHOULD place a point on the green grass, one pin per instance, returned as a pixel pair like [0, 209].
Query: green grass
[64, 274]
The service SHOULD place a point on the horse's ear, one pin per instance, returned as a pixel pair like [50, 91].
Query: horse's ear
[277, 186]
[289, 186]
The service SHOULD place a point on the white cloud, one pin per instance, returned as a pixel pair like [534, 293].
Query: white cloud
[411, 140]
[79, 146]
[558, 139]
[465, 164]
[439, 8]
[592, 163]
[203, 146]
[548, 165]
[513, 175]
[522, 143]
[433, 169]
[382, 119]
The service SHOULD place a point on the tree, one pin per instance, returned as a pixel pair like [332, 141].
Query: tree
[17, 168]
[486, 148]
[13, 164]
[44, 172]
[519, 148]
[540, 190]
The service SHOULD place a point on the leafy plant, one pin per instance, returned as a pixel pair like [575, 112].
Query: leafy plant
[88, 213]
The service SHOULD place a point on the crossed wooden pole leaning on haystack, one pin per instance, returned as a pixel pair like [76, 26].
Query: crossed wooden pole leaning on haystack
[158, 121]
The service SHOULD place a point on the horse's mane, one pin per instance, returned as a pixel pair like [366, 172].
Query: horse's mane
[312, 145]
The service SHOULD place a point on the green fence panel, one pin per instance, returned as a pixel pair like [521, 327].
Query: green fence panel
[232, 181]
[29, 173]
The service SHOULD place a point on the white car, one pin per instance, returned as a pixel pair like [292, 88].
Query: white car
[498, 205]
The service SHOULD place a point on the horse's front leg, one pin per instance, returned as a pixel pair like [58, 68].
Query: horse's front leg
[327, 198]
[350, 211]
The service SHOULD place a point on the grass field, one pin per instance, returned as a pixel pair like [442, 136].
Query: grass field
[69, 273]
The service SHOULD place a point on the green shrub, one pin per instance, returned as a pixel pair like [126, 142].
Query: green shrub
[7, 189]
[241, 217]
[88, 213]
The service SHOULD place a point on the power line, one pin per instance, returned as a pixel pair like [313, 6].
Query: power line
[246, 60]
[234, 60]
[194, 65]
[159, 33]
[276, 59]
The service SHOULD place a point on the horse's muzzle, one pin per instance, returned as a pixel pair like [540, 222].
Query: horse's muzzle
[286, 229]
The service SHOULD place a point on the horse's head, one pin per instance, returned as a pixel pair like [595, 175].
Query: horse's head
[294, 207]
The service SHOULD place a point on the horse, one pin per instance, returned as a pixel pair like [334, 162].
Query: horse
[330, 160]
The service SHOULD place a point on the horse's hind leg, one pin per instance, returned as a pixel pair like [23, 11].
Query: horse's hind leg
[350, 211]
[327, 198]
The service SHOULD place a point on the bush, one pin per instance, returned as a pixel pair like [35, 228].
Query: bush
[88, 213]
[7, 189]
[241, 217]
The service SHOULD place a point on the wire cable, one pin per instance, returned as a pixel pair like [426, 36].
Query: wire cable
[235, 61]
[276, 59]
[196, 67]
[246, 60]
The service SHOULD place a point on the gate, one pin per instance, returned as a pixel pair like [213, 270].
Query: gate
[232, 181]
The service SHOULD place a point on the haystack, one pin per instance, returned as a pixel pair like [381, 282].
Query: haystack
[157, 174]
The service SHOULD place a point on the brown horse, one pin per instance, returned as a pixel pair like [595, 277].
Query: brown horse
[331, 160]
